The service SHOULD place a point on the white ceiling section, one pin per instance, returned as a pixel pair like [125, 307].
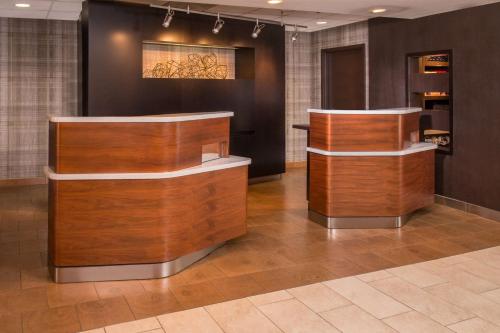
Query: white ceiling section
[42, 9]
[301, 12]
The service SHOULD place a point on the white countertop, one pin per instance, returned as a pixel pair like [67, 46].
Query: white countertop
[212, 165]
[379, 111]
[415, 148]
[166, 118]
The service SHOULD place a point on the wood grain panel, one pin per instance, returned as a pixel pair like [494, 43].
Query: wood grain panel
[133, 147]
[371, 186]
[362, 132]
[144, 221]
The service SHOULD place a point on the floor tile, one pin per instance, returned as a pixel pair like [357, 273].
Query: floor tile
[11, 323]
[294, 316]
[137, 326]
[415, 322]
[460, 277]
[373, 276]
[10, 280]
[318, 297]
[109, 289]
[199, 294]
[149, 304]
[69, 294]
[20, 301]
[474, 303]
[422, 301]
[104, 312]
[493, 295]
[97, 330]
[237, 286]
[57, 320]
[272, 297]
[416, 276]
[482, 270]
[38, 277]
[291, 276]
[367, 297]
[241, 316]
[193, 321]
[352, 319]
[474, 325]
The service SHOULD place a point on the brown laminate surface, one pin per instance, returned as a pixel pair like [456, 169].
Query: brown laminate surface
[341, 132]
[350, 186]
[134, 147]
[282, 249]
[117, 222]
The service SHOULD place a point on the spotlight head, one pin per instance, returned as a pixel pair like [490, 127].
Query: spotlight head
[218, 25]
[168, 18]
[257, 29]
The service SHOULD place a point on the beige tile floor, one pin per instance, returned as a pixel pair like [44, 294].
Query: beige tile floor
[282, 250]
[460, 294]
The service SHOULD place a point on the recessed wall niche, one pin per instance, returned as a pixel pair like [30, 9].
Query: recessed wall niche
[161, 60]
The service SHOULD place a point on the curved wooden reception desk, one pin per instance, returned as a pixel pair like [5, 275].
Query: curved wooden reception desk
[367, 169]
[141, 197]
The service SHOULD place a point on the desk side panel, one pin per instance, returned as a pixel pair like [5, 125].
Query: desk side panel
[134, 147]
[115, 222]
[371, 186]
[340, 132]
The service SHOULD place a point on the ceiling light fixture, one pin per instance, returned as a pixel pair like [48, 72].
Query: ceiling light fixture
[378, 10]
[274, 2]
[295, 34]
[257, 29]
[168, 18]
[218, 24]
[23, 5]
[321, 22]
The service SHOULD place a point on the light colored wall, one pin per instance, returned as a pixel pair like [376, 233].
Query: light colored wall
[303, 77]
[38, 77]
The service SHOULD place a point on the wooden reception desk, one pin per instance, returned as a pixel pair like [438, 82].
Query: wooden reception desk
[141, 197]
[367, 168]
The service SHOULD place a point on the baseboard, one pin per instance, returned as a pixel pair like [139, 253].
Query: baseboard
[294, 165]
[23, 181]
[264, 179]
[468, 207]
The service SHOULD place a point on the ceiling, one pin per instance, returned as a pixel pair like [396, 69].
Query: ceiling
[301, 12]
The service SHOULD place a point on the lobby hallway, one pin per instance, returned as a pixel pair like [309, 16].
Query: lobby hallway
[281, 250]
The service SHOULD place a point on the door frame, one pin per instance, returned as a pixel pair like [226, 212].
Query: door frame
[324, 53]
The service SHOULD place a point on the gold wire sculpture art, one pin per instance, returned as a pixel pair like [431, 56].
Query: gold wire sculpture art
[194, 67]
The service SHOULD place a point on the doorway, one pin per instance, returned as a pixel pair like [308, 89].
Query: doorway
[343, 78]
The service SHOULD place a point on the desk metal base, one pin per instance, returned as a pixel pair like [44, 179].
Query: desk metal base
[359, 222]
[127, 272]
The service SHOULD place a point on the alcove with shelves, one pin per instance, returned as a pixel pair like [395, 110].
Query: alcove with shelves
[429, 86]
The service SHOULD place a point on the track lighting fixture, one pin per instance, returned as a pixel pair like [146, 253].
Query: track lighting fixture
[218, 24]
[295, 34]
[257, 29]
[168, 18]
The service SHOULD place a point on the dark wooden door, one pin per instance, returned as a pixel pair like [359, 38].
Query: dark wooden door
[343, 78]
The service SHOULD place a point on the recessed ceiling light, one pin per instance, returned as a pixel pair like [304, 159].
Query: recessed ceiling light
[378, 10]
[23, 5]
[274, 2]
[321, 22]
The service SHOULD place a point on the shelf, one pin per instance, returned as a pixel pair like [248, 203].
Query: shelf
[436, 132]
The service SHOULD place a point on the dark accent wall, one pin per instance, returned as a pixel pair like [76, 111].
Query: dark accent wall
[113, 86]
[472, 173]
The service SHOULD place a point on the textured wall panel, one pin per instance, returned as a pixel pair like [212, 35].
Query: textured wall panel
[303, 77]
[38, 78]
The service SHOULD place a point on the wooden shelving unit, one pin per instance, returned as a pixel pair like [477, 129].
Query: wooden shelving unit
[429, 86]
